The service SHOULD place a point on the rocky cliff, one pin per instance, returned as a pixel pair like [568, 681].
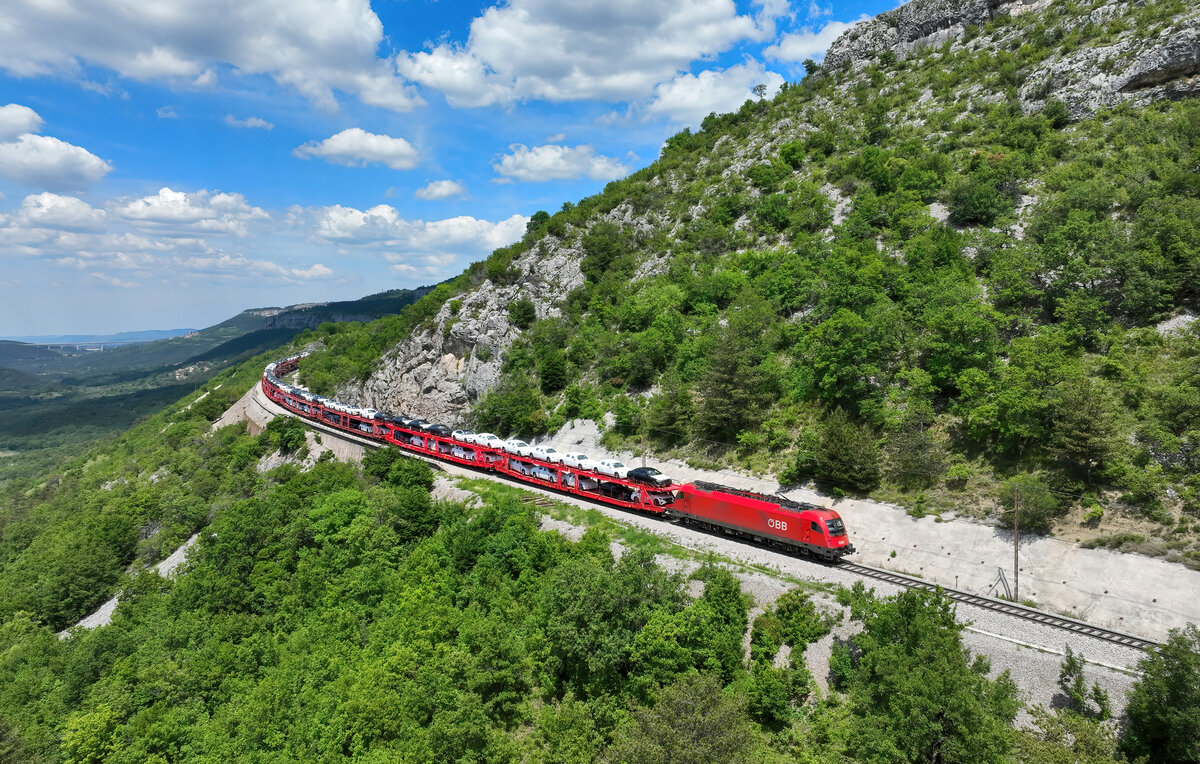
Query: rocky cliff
[1133, 66]
[438, 372]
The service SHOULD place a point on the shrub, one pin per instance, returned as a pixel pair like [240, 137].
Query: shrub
[975, 200]
[1056, 113]
[522, 313]
[847, 453]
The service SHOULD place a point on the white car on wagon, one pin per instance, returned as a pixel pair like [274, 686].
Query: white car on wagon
[611, 467]
[547, 454]
[578, 460]
[488, 440]
[518, 447]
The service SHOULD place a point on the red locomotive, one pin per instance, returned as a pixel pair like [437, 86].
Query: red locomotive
[804, 528]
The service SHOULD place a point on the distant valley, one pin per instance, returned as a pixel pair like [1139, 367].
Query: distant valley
[57, 401]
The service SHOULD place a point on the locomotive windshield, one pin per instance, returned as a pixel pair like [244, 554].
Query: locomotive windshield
[836, 526]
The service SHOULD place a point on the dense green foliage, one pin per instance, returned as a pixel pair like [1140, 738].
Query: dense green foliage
[1164, 707]
[342, 613]
[66, 541]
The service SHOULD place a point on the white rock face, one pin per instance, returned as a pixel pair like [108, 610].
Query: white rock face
[442, 369]
[1133, 69]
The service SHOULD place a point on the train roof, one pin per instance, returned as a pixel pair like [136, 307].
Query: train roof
[779, 501]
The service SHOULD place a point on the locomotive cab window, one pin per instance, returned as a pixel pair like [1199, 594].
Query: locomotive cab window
[836, 527]
[816, 527]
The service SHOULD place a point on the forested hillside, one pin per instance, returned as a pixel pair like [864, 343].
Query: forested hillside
[919, 275]
[342, 613]
[338, 612]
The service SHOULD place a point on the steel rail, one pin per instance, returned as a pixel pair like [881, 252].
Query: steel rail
[1013, 609]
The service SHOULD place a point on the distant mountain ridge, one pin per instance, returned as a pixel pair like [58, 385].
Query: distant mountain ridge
[145, 335]
[252, 330]
[57, 400]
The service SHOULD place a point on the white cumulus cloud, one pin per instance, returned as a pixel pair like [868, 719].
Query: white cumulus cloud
[196, 212]
[63, 213]
[317, 48]
[222, 264]
[562, 51]
[689, 98]
[440, 189]
[248, 122]
[356, 147]
[39, 160]
[383, 229]
[555, 162]
[16, 119]
[794, 47]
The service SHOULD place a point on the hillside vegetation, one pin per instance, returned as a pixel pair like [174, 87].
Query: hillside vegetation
[893, 280]
[342, 613]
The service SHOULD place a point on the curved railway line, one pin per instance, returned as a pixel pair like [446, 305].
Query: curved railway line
[1004, 607]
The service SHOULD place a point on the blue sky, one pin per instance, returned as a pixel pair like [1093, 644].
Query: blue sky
[169, 163]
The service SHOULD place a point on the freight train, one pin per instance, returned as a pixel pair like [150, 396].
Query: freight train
[777, 522]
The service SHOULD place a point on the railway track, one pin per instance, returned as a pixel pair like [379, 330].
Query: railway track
[1002, 606]
[897, 579]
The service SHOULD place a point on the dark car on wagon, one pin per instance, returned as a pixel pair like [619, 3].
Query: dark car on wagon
[649, 476]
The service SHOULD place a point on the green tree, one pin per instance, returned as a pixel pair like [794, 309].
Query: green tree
[693, 722]
[847, 454]
[916, 694]
[603, 245]
[770, 695]
[1074, 687]
[1056, 113]
[90, 737]
[565, 733]
[1036, 504]
[536, 221]
[976, 199]
[916, 458]
[1065, 738]
[801, 622]
[552, 371]
[11, 749]
[670, 412]
[735, 388]
[1163, 707]
[522, 313]
[1082, 427]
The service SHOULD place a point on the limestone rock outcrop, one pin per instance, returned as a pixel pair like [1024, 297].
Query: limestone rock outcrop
[438, 372]
[1133, 68]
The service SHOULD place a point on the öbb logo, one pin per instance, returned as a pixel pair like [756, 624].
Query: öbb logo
[773, 523]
